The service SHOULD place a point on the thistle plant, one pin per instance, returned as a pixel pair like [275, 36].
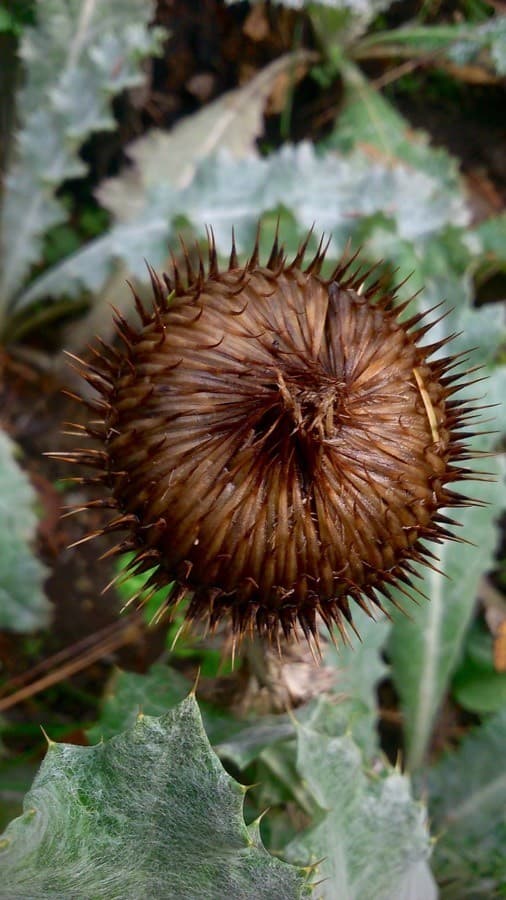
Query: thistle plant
[276, 443]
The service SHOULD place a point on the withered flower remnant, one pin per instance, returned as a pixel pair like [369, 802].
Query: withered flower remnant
[276, 443]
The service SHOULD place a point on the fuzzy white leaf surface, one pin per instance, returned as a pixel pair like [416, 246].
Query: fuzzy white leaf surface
[337, 192]
[372, 838]
[149, 813]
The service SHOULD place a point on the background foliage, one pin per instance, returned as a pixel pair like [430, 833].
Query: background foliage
[165, 788]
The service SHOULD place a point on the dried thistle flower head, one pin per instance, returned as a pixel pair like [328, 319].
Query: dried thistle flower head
[276, 443]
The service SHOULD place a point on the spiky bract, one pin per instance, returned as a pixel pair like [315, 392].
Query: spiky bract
[276, 443]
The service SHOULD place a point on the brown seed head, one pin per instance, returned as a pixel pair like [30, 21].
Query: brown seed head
[276, 443]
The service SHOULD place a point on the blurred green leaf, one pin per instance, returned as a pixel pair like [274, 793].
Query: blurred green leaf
[15, 779]
[462, 43]
[467, 806]
[128, 694]
[368, 120]
[16, 18]
[372, 836]
[233, 122]
[491, 235]
[359, 669]
[77, 58]
[250, 740]
[335, 191]
[8, 22]
[476, 685]
[23, 604]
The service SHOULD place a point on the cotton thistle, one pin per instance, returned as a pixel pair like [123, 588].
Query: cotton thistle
[276, 443]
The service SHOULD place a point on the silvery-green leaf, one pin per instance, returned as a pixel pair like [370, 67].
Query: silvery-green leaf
[145, 238]
[488, 37]
[76, 58]
[368, 121]
[23, 604]
[337, 192]
[439, 268]
[359, 668]
[372, 836]
[161, 688]
[149, 813]
[171, 158]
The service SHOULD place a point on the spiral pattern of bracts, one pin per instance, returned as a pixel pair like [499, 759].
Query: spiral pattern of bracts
[276, 443]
